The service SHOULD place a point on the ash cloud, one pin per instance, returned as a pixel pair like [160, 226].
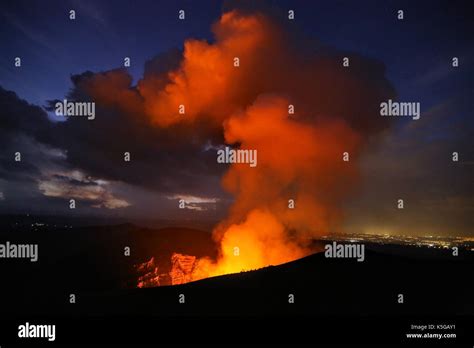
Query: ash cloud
[173, 154]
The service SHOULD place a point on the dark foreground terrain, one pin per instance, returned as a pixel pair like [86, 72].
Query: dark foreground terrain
[334, 299]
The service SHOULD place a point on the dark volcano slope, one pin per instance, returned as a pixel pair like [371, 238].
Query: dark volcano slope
[86, 260]
[336, 300]
[435, 284]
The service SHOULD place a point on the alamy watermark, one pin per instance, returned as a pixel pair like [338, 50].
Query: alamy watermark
[68, 108]
[19, 251]
[28, 330]
[393, 108]
[229, 155]
[345, 251]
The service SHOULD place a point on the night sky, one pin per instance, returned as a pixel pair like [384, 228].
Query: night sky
[408, 159]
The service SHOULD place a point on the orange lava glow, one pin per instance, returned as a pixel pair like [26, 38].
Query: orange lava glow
[259, 241]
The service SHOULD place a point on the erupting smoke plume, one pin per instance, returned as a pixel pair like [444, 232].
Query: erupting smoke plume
[242, 89]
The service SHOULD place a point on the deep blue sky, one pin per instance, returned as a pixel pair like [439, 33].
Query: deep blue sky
[415, 51]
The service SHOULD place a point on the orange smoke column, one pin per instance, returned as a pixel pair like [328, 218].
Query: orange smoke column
[296, 162]
[207, 82]
[300, 155]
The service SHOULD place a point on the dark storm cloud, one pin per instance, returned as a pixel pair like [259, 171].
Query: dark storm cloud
[42, 169]
[52, 150]
[167, 161]
[21, 124]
